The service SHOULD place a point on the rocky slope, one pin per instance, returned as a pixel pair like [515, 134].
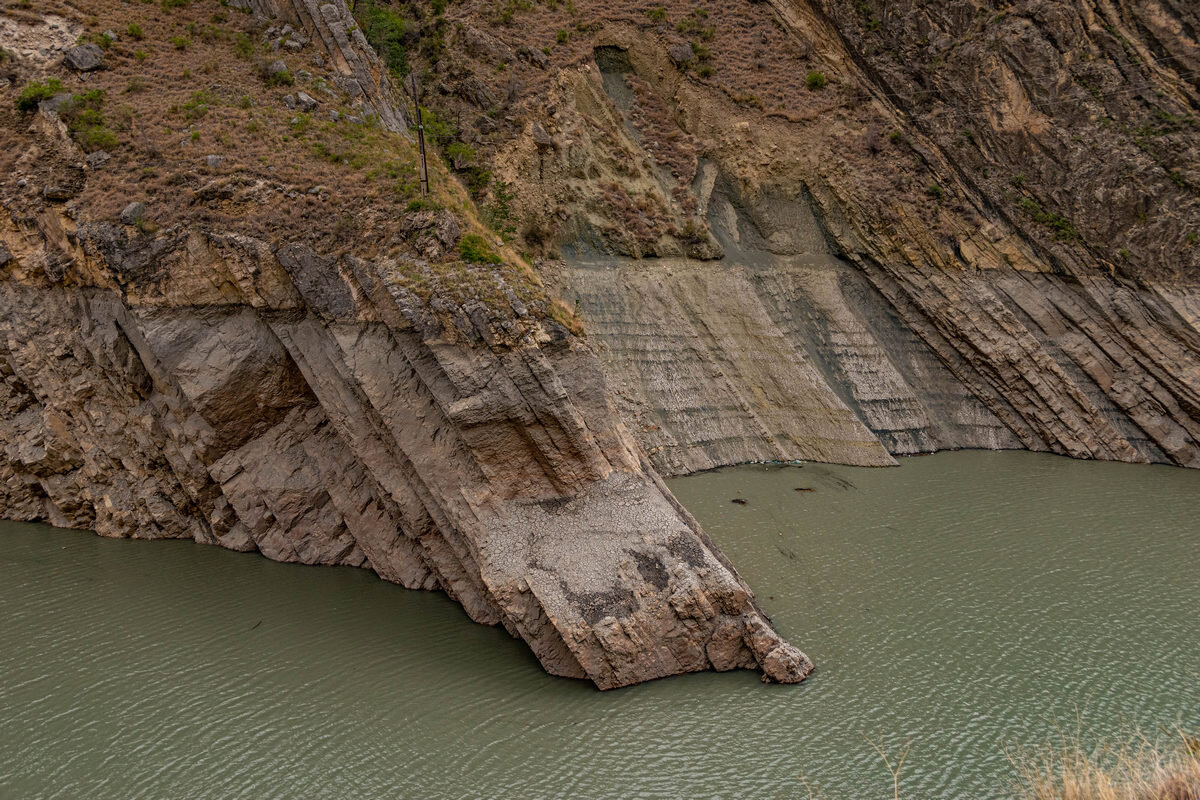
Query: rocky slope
[192, 348]
[795, 229]
[829, 230]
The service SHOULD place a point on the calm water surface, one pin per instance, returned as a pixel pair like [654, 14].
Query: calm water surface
[967, 603]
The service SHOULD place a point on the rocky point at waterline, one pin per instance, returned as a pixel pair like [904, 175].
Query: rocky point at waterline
[658, 240]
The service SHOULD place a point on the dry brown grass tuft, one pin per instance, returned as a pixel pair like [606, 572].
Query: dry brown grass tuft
[1165, 769]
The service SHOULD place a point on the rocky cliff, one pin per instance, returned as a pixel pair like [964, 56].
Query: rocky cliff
[837, 231]
[226, 315]
[661, 238]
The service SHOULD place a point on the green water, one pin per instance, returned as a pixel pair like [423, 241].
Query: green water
[966, 603]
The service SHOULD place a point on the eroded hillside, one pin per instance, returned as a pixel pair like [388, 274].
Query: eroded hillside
[228, 314]
[835, 231]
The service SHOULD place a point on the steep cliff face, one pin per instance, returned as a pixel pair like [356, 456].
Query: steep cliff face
[864, 228]
[816, 230]
[194, 366]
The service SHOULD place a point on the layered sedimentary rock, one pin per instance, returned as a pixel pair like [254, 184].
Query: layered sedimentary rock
[837, 231]
[311, 410]
[167, 374]
[798, 229]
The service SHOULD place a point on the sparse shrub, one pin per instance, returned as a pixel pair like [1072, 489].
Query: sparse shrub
[385, 30]
[169, 4]
[896, 137]
[85, 119]
[245, 101]
[460, 154]
[936, 192]
[180, 42]
[135, 32]
[1059, 225]
[36, 92]
[705, 70]
[695, 25]
[657, 14]
[135, 85]
[97, 138]
[243, 46]
[475, 249]
[814, 80]
[141, 55]
[196, 106]
[562, 36]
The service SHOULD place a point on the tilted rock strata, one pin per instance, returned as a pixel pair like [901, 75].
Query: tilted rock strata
[312, 411]
[422, 417]
[880, 248]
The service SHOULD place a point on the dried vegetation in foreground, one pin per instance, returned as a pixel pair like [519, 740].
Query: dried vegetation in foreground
[1166, 769]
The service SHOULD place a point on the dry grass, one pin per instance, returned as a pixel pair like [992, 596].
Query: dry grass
[1163, 769]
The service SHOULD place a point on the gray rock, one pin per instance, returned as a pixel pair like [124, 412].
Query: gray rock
[305, 101]
[334, 115]
[85, 57]
[543, 140]
[97, 159]
[133, 213]
[303, 75]
[54, 104]
[213, 161]
[293, 45]
[681, 53]
[535, 57]
[486, 124]
[447, 228]
[275, 68]
[290, 102]
[6, 256]
[59, 191]
[316, 278]
[475, 91]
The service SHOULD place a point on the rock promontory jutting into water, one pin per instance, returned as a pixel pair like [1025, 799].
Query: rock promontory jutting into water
[654, 240]
[166, 376]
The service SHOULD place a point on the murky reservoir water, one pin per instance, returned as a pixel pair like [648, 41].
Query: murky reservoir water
[966, 603]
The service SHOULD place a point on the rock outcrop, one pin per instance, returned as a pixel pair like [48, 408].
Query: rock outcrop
[312, 410]
[864, 229]
[798, 229]
[177, 361]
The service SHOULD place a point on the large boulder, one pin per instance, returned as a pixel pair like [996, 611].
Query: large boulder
[85, 58]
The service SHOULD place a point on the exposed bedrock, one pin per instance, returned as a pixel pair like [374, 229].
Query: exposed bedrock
[312, 410]
[763, 356]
